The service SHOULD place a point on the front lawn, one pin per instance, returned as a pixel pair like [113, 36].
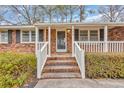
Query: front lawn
[105, 65]
[15, 69]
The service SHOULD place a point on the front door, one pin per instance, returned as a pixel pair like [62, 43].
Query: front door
[61, 41]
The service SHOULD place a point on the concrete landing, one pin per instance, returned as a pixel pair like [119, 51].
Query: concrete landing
[79, 83]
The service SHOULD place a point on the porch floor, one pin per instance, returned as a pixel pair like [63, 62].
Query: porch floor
[61, 54]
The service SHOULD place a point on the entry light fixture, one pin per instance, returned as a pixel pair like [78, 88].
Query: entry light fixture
[68, 30]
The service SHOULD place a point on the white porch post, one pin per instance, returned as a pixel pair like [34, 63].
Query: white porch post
[49, 41]
[36, 39]
[72, 40]
[106, 38]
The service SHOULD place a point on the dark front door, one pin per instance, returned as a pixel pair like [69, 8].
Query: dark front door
[61, 41]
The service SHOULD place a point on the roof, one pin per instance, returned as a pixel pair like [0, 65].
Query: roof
[62, 24]
[84, 24]
[16, 26]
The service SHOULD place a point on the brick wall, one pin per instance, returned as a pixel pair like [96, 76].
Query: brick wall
[17, 47]
[69, 41]
[30, 47]
[116, 34]
[53, 40]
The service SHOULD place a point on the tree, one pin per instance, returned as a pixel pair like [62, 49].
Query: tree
[49, 11]
[25, 14]
[3, 18]
[112, 13]
[72, 11]
[62, 11]
[30, 14]
[81, 13]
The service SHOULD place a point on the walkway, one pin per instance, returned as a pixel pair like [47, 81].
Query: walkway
[79, 83]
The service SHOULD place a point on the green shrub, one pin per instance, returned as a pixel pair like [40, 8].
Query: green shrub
[16, 68]
[105, 65]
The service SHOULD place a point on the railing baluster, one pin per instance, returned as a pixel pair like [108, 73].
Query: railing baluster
[98, 46]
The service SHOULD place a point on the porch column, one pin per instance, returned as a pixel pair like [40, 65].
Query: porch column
[106, 38]
[36, 39]
[72, 40]
[49, 41]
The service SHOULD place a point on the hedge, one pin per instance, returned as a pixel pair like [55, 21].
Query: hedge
[105, 65]
[15, 68]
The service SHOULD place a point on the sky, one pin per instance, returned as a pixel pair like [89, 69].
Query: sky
[89, 18]
[93, 17]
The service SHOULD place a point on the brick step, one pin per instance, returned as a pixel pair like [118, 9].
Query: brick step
[60, 75]
[61, 58]
[61, 69]
[60, 62]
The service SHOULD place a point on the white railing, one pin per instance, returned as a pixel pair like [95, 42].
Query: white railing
[40, 45]
[80, 58]
[41, 58]
[115, 46]
[101, 46]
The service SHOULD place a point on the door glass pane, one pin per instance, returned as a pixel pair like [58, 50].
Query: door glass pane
[61, 40]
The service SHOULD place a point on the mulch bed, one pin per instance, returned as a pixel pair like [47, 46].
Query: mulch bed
[31, 82]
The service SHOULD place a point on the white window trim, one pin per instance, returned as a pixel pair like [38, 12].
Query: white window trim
[4, 41]
[30, 40]
[98, 31]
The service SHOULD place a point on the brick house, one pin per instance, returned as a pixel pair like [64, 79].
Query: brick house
[69, 39]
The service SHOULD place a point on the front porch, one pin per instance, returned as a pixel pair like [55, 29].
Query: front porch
[61, 38]
[74, 41]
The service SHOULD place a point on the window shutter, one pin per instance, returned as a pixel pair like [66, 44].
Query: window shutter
[101, 34]
[17, 36]
[40, 35]
[76, 34]
[9, 36]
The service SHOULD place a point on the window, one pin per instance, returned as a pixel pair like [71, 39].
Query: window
[32, 36]
[89, 35]
[25, 36]
[4, 36]
[93, 35]
[84, 35]
[28, 36]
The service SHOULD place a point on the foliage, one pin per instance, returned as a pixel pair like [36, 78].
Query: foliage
[15, 68]
[111, 13]
[105, 65]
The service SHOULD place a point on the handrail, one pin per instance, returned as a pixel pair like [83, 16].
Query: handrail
[41, 58]
[44, 46]
[78, 46]
[80, 58]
